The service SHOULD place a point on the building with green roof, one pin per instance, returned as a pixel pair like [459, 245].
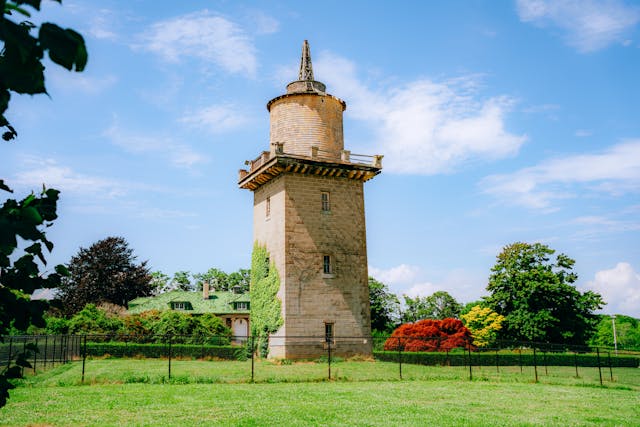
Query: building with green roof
[232, 307]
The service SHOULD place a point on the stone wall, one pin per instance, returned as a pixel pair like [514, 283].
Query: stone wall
[298, 233]
[301, 121]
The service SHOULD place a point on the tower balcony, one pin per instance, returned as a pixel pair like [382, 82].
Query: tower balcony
[270, 164]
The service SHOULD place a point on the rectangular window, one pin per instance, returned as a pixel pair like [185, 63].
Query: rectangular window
[179, 306]
[326, 264]
[242, 306]
[328, 332]
[268, 207]
[326, 205]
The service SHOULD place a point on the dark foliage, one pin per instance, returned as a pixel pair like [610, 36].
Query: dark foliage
[384, 305]
[104, 272]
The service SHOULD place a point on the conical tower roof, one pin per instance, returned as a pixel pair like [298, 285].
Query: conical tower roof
[305, 82]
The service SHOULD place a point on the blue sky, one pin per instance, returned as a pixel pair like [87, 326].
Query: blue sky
[499, 122]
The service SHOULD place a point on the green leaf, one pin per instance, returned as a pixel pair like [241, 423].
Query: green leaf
[31, 215]
[62, 270]
[66, 47]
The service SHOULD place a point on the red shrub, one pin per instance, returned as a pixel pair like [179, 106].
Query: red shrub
[429, 335]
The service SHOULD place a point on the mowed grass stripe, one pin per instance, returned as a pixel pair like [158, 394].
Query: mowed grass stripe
[366, 393]
[410, 403]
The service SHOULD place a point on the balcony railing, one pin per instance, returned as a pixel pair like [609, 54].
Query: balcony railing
[315, 153]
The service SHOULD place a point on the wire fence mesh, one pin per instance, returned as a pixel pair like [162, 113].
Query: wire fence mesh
[242, 359]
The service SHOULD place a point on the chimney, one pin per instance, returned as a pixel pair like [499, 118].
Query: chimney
[205, 290]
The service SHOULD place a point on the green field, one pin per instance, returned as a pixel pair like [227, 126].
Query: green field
[138, 392]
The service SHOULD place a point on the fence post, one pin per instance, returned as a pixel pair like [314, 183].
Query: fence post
[610, 368]
[61, 349]
[544, 360]
[497, 362]
[400, 357]
[520, 358]
[575, 360]
[84, 356]
[53, 350]
[253, 343]
[599, 368]
[24, 350]
[535, 363]
[169, 356]
[329, 351]
[10, 350]
[35, 354]
[45, 351]
[470, 370]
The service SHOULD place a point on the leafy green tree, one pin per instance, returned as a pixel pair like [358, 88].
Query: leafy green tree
[22, 72]
[385, 307]
[627, 332]
[94, 320]
[241, 278]
[104, 272]
[160, 282]
[216, 278]
[181, 281]
[439, 305]
[537, 297]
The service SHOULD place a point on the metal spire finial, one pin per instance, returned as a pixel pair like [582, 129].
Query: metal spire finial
[306, 69]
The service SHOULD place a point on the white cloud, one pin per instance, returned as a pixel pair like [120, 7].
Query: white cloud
[215, 118]
[425, 127]
[263, 23]
[401, 274]
[202, 35]
[37, 172]
[589, 25]
[178, 154]
[101, 24]
[412, 280]
[615, 171]
[74, 82]
[620, 288]
[422, 290]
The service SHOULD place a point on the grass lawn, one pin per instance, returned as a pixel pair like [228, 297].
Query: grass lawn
[132, 392]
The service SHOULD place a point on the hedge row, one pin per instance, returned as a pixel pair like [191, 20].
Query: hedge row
[509, 359]
[119, 349]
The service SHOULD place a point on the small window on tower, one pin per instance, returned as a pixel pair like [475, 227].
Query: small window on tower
[326, 204]
[268, 207]
[326, 264]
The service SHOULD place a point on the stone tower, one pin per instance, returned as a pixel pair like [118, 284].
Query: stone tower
[308, 212]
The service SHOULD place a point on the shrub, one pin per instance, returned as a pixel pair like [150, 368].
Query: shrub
[92, 320]
[157, 350]
[460, 358]
[429, 335]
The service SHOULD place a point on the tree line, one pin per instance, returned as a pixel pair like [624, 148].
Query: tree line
[531, 298]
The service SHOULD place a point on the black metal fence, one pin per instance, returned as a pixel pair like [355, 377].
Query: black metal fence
[536, 358]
